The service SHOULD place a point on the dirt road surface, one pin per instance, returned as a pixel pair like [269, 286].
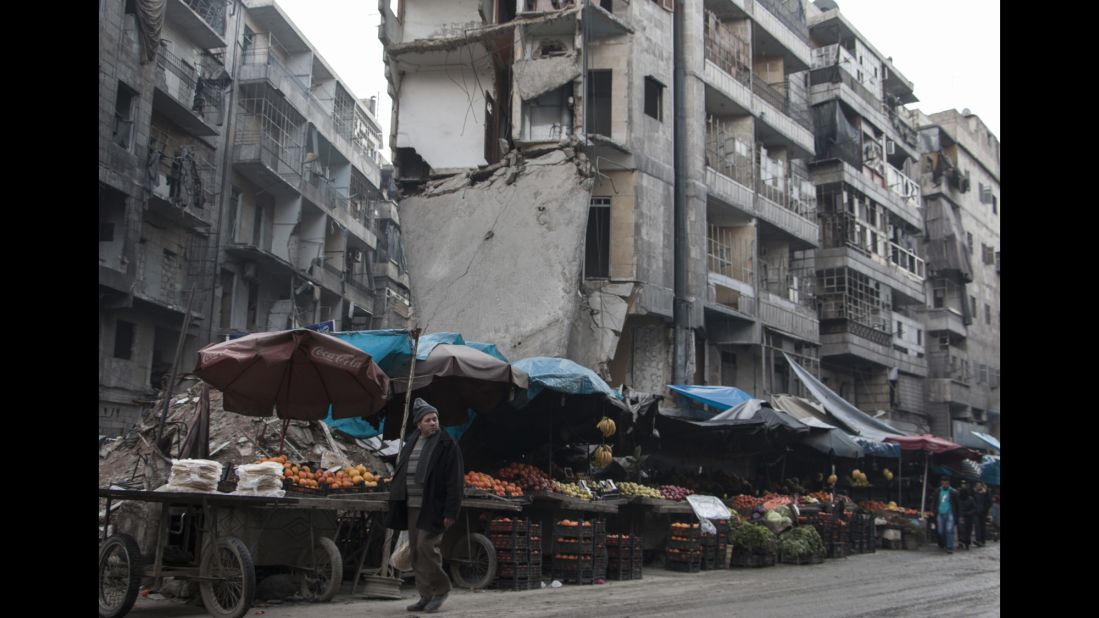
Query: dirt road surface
[887, 583]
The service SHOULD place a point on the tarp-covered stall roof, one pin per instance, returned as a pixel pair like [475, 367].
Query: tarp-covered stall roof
[721, 397]
[854, 419]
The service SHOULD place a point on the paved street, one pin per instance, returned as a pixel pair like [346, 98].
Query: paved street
[886, 583]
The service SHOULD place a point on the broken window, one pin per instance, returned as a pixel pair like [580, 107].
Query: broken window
[654, 98]
[123, 339]
[599, 102]
[597, 246]
[124, 116]
[550, 48]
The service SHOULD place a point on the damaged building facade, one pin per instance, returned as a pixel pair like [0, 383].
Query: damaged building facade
[960, 176]
[239, 177]
[533, 143]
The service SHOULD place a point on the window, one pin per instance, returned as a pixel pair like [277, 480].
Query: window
[994, 205]
[900, 330]
[248, 40]
[988, 314]
[608, 5]
[599, 102]
[123, 339]
[654, 98]
[234, 212]
[973, 305]
[123, 116]
[597, 246]
[969, 242]
[939, 296]
[919, 337]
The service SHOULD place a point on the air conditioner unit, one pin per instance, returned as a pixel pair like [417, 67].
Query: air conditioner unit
[890, 147]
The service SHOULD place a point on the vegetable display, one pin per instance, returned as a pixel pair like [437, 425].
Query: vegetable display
[803, 542]
[755, 539]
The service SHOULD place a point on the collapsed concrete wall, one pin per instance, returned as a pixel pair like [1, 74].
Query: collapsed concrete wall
[500, 259]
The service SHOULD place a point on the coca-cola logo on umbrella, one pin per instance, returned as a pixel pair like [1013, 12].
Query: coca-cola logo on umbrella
[348, 361]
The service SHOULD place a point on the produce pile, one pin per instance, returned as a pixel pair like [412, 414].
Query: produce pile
[636, 489]
[756, 539]
[530, 478]
[301, 475]
[803, 542]
[771, 501]
[674, 492]
[875, 506]
[822, 496]
[743, 502]
[573, 490]
[484, 482]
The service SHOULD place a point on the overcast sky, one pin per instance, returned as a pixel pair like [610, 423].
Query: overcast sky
[948, 49]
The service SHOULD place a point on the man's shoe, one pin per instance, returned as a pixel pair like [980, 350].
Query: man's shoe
[435, 603]
[419, 606]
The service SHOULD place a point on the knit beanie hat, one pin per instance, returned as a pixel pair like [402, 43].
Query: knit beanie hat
[420, 409]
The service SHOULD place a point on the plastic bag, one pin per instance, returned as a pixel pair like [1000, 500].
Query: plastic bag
[401, 560]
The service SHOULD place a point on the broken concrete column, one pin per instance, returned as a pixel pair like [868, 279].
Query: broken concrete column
[533, 78]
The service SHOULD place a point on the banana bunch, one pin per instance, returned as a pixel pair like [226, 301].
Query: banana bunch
[888, 474]
[606, 427]
[636, 489]
[602, 456]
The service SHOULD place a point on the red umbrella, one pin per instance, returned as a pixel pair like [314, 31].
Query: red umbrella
[931, 444]
[299, 373]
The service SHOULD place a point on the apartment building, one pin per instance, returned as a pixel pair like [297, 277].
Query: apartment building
[241, 189]
[473, 81]
[960, 178]
[870, 267]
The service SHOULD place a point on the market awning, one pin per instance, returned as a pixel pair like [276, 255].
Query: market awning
[855, 420]
[990, 470]
[562, 375]
[753, 412]
[720, 397]
[879, 449]
[835, 442]
[987, 439]
[933, 445]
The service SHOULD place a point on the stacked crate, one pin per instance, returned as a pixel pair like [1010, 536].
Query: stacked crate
[715, 548]
[599, 548]
[574, 556]
[832, 534]
[684, 550]
[518, 554]
[623, 556]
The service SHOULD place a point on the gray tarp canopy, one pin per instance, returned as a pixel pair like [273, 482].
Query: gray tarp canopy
[853, 419]
[823, 436]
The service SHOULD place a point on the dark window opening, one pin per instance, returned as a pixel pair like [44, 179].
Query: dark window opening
[988, 314]
[253, 304]
[608, 5]
[597, 248]
[247, 40]
[654, 98]
[505, 11]
[550, 48]
[226, 298]
[123, 116]
[129, 8]
[599, 102]
[973, 305]
[123, 340]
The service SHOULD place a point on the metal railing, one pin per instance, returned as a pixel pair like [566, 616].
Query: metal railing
[727, 50]
[781, 101]
[948, 364]
[790, 13]
[169, 156]
[176, 76]
[285, 162]
[793, 192]
[907, 261]
[723, 154]
[902, 185]
[720, 246]
[211, 11]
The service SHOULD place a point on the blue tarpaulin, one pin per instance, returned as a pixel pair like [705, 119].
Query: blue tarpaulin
[990, 470]
[488, 348]
[389, 348]
[720, 397]
[879, 449]
[561, 375]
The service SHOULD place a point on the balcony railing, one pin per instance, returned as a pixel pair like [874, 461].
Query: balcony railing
[726, 153]
[907, 261]
[189, 176]
[266, 50]
[727, 50]
[948, 364]
[721, 252]
[285, 162]
[780, 99]
[211, 11]
[794, 193]
[902, 185]
[790, 13]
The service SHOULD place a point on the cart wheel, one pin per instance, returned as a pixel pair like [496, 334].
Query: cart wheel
[321, 571]
[473, 564]
[119, 575]
[228, 563]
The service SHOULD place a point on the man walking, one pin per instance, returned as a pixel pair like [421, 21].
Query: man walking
[425, 499]
[946, 511]
[984, 504]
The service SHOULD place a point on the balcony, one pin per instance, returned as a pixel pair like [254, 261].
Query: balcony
[729, 257]
[260, 158]
[903, 186]
[840, 171]
[185, 190]
[835, 82]
[777, 96]
[790, 13]
[261, 63]
[946, 320]
[790, 316]
[907, 261]
[202, 21]
[177, 95]
[727, 51]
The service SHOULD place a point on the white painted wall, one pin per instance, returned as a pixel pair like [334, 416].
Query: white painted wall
[442, 116]
[434, 18]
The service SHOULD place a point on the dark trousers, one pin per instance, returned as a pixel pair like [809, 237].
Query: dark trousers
[965, 530]
[427, 560]
[980, 525]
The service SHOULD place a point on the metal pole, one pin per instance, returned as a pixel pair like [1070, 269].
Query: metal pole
[900, 473]
[682, 319]
[175, 364]
[400, 440]
[923, 495]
